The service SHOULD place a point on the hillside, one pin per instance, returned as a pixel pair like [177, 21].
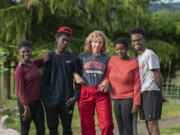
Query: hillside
[173, 7]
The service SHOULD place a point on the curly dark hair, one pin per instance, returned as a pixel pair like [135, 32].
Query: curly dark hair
[121, 40]
[138, 30]
[25, 43]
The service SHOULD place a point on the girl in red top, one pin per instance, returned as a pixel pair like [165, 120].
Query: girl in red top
[28, 82]
[123, 74]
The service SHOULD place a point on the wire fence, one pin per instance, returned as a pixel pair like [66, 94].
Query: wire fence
[171, 88]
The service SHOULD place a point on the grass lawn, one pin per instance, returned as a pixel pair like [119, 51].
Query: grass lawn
[170, 110]
[171, 130]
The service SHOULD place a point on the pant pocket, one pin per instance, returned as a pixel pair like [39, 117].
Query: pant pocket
[83, 93]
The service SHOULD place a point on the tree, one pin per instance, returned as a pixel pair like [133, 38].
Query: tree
[163, 27]
[2, 57]
[6, 48]
[38, 21]
[168, 55]
[26, 19]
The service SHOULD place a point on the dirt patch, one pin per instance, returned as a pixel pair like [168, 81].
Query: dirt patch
[162, 124]
[142, 127]
[3, 109]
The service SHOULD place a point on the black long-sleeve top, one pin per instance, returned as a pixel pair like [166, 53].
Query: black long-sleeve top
[57, 79]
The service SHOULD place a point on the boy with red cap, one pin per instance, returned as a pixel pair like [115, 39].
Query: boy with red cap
[58, 94]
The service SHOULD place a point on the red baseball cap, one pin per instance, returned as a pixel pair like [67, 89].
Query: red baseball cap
[66, 30]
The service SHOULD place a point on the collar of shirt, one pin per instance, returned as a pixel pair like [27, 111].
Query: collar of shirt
[22, 63]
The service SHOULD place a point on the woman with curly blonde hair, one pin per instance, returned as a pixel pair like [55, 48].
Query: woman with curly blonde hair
[91, 37]
[94, 64]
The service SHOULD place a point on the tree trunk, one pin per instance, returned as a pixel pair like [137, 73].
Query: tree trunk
[7, 79]
[23, 33]
[168, 77]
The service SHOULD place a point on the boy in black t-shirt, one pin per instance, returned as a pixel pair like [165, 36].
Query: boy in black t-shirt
[58, 94]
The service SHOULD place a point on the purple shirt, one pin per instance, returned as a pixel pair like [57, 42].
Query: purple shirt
[28, 80]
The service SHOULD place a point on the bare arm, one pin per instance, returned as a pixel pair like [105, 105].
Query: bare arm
[158, 78]
[78, 78]
[137, 91]
[104, 85]
[46, 56]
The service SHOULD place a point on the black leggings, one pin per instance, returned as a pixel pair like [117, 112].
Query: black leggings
[37, 115]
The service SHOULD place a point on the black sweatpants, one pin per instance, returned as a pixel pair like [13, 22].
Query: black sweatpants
[52, 115]
[124, 117]
[37, 115]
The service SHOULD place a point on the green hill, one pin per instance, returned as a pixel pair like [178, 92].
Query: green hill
[173, 7]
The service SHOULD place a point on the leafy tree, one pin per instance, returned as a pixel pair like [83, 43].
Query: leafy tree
[168, 55]
[38, 21]
[163, 27]
[7, 26]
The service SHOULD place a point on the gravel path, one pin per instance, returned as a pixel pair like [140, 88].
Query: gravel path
[142, 127]
[162, 123]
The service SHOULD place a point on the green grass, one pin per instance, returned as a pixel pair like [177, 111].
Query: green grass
[13, 119]
[170, 110]
[171, 130]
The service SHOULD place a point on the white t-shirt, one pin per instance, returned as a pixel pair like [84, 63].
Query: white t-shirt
[148, 61]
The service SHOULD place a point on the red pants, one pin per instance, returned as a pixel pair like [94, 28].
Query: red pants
[91, 99]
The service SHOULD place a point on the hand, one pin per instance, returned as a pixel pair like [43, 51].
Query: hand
[46, 56]
[135, 109]
[104, 86]
[79, 79]
[27, 114]
[164, 98]
[106, 89]
[71, 100]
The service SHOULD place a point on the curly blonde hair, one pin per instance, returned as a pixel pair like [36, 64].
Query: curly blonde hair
[91, 38]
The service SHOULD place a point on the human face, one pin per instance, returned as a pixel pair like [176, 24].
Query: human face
[63, 42]
[121, 51]
[25, 53]
[97, 45]
[137, 41]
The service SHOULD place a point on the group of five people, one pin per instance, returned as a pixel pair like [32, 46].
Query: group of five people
[134, 83]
